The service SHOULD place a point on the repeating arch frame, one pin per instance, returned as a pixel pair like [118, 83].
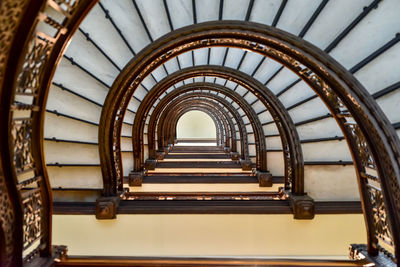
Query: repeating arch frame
[234, 113]
[294, 171]
[220, 114]
[180, 110]
[242, 128]
[249, 112]
[372, 140]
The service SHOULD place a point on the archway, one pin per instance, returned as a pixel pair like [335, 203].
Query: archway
[196, 125]
[373, 143]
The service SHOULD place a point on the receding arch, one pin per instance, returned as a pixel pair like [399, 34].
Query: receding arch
[165, 101]
[186, 128]
[211, 111]
[371, 138]
[289, 136]
[253, 118]
[165, 138]
[169, 126]
[242, 128]
[218, 110]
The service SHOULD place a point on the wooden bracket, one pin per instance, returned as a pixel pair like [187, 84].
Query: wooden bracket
[303, 207]
[135, 178]
[235, 156]
[264, 179]
[106, 207]
[150, 164]
[246, 164]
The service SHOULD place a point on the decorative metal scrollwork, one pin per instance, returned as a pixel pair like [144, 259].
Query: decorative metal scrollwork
[7, 221]
[380, 216]
[32, 206]
[29, 78]
[363, 149]
[22, 134]
[26, 88]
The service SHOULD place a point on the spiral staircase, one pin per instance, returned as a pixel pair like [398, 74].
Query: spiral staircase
[213, 182]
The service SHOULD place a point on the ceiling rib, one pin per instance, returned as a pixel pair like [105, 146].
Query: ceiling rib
[335, 42]
[376, 53]
[386, 90]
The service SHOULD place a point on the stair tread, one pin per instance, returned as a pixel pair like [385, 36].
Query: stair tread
[198, 164]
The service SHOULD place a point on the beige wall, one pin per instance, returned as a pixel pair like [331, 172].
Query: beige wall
[196, 124]
[208, 235]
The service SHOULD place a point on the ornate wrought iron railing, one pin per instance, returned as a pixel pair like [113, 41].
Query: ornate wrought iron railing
[31, 45]
[34, 33]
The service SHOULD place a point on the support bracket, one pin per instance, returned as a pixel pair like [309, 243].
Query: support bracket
[135, 178]
[264, 179]
[303, 207]
[246, 164]
[106, 207]
[150, 164]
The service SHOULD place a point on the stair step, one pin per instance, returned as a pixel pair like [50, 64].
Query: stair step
[199, 164]
[204, 196]
[209, 179]
[194, 149]
[197, 156]
[200, 174]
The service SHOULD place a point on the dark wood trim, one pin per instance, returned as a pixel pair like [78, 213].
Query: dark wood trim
[121, 261]
[207, 207]
[204, 196]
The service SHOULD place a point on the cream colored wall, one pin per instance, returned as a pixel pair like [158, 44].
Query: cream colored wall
[196, 124]
[208, 235]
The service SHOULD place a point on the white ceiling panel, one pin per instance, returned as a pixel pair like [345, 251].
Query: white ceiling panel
[181, 12]
[297, 93]
[296, 15]
[233, 58]
[282, 80]
[264, 11]
[217, 55]
[311, 109]
[200, 56]
[126, 18]
[207, 10]
[266, 70]
[155, 17]
[250, 62]
[105, 35]
[235, 9]
[382, 71]
[390, 104]
[75, 79]
[327, 26]
[379, 27]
